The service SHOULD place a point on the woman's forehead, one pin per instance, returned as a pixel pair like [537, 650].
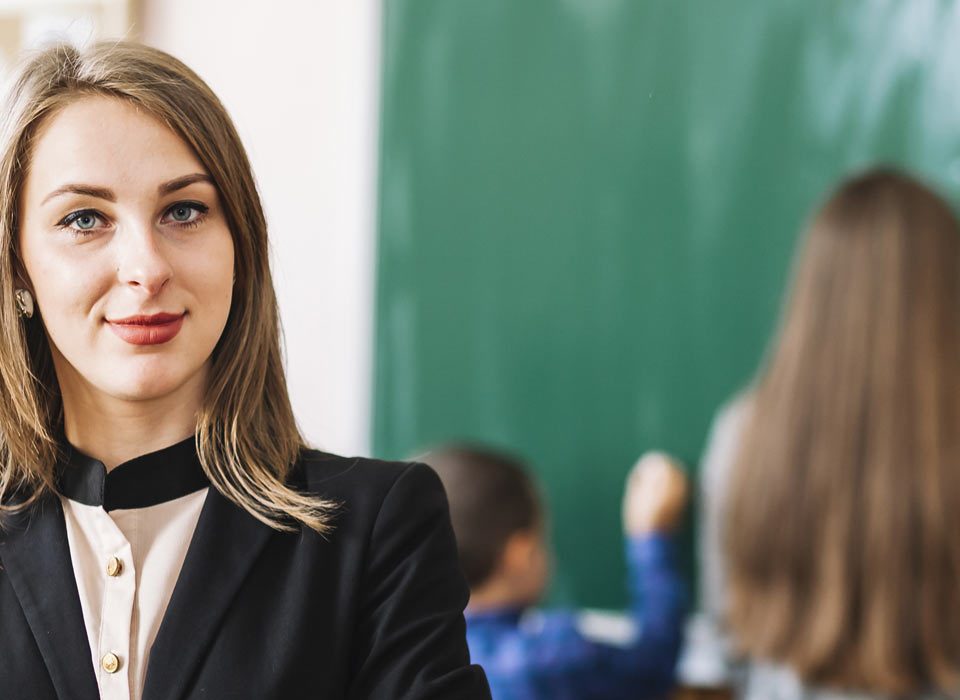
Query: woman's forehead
[106, 142]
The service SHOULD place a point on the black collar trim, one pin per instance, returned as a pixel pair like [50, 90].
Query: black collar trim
[148, 480]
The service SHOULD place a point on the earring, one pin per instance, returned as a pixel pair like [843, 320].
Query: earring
[24, 303]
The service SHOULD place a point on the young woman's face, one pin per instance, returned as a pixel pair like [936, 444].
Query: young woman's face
[127, 252]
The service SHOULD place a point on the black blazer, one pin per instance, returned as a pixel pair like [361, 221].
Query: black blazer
[373, 611]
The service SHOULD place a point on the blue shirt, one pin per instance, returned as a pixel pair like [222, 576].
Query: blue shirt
[550, 656]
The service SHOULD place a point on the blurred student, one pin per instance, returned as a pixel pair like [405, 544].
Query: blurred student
[832, 487]
[500, 526]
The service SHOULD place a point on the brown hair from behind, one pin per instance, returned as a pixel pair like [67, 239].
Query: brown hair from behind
[247, 438]
[491, 497]
[843, 536]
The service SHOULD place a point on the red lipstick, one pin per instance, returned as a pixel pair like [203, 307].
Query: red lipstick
[154, 329]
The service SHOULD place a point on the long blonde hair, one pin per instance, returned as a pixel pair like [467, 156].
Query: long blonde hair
[247, 438]
[843, 538]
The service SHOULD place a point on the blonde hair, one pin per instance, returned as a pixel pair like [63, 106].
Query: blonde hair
[843, 538]
[246, 436]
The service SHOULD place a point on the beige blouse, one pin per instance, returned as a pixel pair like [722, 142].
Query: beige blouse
[128, 533]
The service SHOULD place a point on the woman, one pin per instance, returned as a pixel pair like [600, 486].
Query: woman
[835, 479]
[166, 533]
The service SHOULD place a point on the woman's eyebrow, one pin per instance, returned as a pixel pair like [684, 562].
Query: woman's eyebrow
[89, 190]
[185, 181]
[106, 193]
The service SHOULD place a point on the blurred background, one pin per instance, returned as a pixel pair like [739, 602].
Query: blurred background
[562, 227]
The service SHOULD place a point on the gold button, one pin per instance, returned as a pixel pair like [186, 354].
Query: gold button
[114, 566]
[110, 663]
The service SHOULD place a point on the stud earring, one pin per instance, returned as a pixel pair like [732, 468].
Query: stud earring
[24, 303]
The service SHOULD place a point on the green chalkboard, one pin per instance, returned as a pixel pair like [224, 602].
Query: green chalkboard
[588, 208]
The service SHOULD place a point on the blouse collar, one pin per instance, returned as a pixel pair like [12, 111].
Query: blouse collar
[144, 481]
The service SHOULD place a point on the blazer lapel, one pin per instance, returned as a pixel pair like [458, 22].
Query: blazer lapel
[36, 557]
[224, 547]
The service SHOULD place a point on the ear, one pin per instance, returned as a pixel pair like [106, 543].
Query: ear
[21, 280]
[519, 551]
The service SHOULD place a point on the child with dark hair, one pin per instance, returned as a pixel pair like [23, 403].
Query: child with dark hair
[499, 523]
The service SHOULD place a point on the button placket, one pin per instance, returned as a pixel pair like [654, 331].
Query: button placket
[116, 619]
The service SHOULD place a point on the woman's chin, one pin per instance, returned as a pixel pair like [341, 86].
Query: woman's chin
[149, 383]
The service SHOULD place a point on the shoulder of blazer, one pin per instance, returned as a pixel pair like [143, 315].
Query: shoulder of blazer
[358, 484]
[320, 471]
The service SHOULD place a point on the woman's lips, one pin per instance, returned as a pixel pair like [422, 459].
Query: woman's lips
[147, 330]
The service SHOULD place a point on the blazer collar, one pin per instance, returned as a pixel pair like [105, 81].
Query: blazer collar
[36, 559]
[147, 480]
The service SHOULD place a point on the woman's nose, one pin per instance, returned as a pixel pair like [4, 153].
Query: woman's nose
[141, 261]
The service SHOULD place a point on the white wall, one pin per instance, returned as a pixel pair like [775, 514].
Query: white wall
[301, 81]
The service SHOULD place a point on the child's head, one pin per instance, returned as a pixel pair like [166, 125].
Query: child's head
[499, 524]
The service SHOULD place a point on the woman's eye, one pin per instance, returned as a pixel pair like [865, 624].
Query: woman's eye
[81, 221]
[86, 221]
[185, 213]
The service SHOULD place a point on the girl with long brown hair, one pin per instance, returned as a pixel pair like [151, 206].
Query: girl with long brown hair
[166, 533]
[838, 517]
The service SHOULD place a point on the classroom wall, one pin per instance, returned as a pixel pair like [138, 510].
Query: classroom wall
[301, 81]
